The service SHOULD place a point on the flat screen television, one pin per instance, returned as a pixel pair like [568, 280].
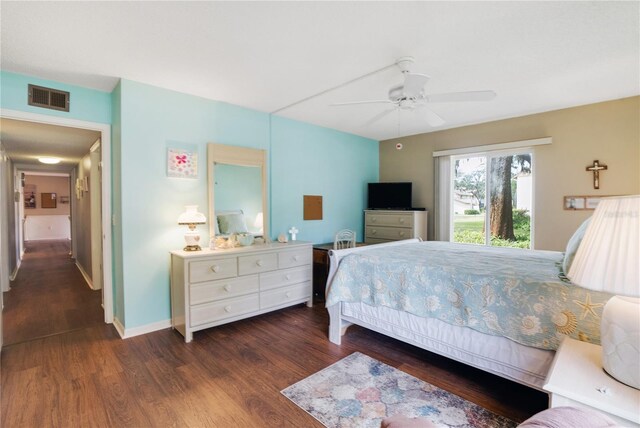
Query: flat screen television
[389, 196]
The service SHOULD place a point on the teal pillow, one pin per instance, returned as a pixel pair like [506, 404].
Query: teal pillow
[232, 223]
[572, 246]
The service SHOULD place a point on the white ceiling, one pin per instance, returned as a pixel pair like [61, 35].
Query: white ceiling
[537, 56]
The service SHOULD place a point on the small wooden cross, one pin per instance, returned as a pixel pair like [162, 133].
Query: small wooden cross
[596, 168]
[293, 231]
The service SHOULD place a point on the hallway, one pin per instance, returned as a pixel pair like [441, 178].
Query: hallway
[49, 295]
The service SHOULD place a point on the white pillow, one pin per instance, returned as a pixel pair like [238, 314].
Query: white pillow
[572, 246]
[231, 223]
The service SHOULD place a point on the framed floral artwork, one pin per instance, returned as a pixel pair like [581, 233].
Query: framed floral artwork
[182, 163]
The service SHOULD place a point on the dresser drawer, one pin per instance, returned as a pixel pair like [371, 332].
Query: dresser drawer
[223, 289]
[210, 312]
[209, 270]
[300, 257]
[388, 233]
[284, 277]
[371, 241]
[396, 220]
[280, 296]
[257, 263]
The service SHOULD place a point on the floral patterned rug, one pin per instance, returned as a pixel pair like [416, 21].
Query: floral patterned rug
[359, 391]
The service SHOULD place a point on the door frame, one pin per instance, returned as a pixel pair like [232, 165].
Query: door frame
[105, 130]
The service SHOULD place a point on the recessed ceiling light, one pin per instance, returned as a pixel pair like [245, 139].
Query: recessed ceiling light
[49, 160]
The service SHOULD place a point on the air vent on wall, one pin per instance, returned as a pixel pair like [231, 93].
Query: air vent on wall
[48, 98]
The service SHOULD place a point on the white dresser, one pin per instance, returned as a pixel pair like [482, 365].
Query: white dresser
[389, 225]
[213, 287]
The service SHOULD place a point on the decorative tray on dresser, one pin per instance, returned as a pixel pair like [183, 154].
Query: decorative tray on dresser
[214, 287]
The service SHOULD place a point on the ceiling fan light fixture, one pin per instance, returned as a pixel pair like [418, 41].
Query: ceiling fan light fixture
[49, 160]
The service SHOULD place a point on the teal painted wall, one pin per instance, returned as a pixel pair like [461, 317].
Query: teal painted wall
[152, 120]
[303, 159]
[85, 104]
[310, 160]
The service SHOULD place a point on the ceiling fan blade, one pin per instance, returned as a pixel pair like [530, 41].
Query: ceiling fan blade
[379, 116]
[432, 118]
[461, 96]
[362, 102]
[414, 84]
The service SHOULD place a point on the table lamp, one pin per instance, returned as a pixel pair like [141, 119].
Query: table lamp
[608, 260]
[191, 217]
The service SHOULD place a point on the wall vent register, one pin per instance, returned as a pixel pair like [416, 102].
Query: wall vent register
[54, 99]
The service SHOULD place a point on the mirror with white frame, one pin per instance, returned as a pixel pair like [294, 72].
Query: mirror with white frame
[237, 185]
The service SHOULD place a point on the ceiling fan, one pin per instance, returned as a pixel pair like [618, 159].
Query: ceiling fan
[411, 95]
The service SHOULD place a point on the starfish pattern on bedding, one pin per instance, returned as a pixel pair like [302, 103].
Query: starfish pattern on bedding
[588, 307]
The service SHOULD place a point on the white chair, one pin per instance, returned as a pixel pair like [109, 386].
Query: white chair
[344, 239]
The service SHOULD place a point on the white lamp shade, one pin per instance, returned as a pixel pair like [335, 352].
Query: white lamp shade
[259, 223]
[192, 216]
[608, 258]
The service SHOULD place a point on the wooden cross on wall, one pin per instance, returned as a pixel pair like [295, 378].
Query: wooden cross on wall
[596, 168]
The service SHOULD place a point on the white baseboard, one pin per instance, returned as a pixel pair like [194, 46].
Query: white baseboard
[119, 328]
[126, 333]
[144, 329]
[13, 275]
[85, 275]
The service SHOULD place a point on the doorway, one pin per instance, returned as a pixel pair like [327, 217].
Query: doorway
[101, 229]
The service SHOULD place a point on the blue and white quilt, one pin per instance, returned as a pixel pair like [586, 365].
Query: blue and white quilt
[519, 294]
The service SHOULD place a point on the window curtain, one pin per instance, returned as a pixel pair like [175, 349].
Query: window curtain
[442, 191]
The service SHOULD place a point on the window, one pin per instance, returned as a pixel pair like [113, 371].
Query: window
[491, 198]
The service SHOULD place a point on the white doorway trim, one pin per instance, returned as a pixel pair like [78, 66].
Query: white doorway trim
[105, 129]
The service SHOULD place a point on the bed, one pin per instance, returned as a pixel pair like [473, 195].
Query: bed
[503, 310]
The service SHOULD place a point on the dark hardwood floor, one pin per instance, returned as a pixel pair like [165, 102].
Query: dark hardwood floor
[229, 376]
[49, 295]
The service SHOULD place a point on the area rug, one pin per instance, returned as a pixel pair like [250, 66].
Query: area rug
[359, 391]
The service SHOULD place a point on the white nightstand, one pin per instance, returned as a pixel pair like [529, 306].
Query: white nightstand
[577, 379]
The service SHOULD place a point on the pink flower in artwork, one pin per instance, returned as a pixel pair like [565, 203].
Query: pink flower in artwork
[368, 394]
[181, 159]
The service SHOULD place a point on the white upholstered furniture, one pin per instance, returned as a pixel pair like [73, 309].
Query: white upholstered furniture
[391, 225]
[213, 287]
[577, 379]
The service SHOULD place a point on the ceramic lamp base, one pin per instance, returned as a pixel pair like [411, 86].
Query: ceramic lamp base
[192, 239]
[620, 336]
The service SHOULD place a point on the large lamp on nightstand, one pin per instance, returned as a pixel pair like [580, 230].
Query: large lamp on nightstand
[608, 260]
[191, 217]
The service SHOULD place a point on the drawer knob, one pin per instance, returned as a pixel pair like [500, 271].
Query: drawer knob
[401, 233]
[259, 263]
[295, 258]
[373, 232]
[402, 220]
[227, 288]
[373, 219]
[287, 277]
[215, 268]
[287, 294]
[227, 308]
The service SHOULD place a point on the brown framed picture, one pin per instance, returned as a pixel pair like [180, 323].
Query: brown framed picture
[48, 200]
